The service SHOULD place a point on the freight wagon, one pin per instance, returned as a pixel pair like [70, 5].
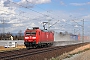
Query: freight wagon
[38, 38]
[74, 37]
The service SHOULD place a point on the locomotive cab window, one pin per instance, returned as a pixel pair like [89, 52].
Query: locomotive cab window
[30, 33]
[33, 32]
[27, 33]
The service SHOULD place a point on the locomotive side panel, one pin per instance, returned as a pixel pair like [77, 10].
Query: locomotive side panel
[43, 37]
[51, 37]
[46, 37]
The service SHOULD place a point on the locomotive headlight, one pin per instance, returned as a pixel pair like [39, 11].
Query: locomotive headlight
[26, 37]
[33, 37]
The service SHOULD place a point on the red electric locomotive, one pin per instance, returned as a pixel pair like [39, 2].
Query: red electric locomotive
[38, 38]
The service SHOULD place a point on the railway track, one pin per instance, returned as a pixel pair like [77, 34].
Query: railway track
[24, 53]
[20, 54]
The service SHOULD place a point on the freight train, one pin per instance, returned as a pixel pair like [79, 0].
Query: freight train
[36, 37]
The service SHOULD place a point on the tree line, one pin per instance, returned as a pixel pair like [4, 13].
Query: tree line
[6, 36]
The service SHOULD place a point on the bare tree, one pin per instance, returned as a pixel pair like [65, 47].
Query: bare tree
[20, 35]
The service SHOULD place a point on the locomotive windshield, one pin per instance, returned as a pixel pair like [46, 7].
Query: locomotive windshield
[30, 33]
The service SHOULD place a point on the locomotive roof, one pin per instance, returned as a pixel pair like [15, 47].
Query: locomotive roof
[44, 30]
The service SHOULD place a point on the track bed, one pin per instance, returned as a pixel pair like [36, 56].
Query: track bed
[38, 54]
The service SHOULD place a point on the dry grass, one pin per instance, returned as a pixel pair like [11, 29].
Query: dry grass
[80, 49]
[2, 48]
[70, 54]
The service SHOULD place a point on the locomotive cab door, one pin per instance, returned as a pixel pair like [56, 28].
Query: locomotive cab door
[38, 36]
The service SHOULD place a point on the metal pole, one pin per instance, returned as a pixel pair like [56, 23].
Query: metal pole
[74, 31]
[3, 26]
[83, 32]
[49, 24]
